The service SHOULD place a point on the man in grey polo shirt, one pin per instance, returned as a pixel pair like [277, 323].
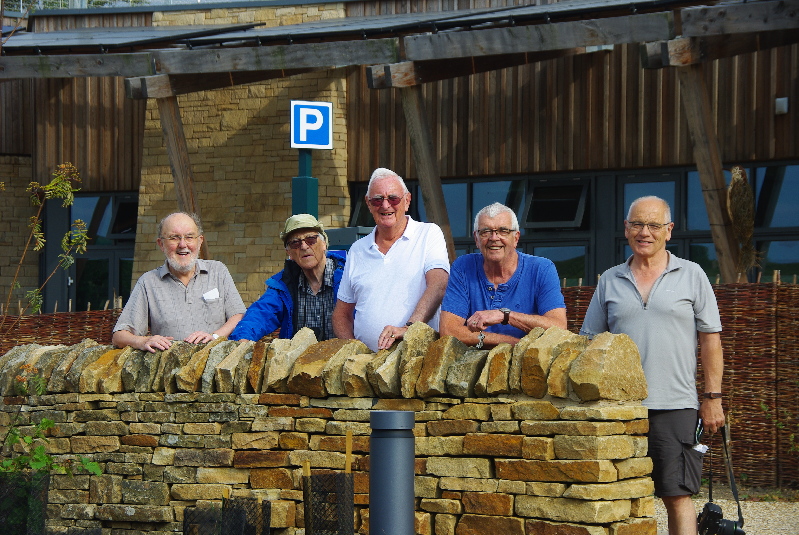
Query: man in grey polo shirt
[665, 304]
[184, 299]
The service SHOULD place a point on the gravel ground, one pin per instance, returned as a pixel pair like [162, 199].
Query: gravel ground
[760, 517]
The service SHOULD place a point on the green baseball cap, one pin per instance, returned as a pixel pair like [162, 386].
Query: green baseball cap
[300, 221]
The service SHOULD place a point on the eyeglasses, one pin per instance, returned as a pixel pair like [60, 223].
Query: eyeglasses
[654, 228]
[501, 232]
[309, 241]
[176, 238]
[377, 200]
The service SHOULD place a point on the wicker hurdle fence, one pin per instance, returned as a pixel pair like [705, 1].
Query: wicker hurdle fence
[761, 353]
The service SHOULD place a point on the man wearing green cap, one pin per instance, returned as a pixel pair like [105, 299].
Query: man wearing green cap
[304, 293]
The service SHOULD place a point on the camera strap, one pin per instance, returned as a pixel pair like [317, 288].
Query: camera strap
[730, 476]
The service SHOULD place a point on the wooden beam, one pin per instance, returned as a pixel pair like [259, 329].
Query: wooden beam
[746, 17]
[165, 85]
[696, 104]
[692, 50]
[77, 66]
[178, 152]
[541, 37]
[277, 57]
[410, 73]
[426, 161]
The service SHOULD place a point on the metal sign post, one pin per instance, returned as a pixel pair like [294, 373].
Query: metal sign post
[311, 128]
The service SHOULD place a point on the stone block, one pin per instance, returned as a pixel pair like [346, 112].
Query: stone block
[105, 489]
[226, 476]
[444, 524]
[260, 459]
[383, 372]
[134, 513]
[227, 370]
[418, 339]
[280, 364]
[354, 375]
[318, 459]
[105, 428]
[172, 360]
[88, 444]
[538, 448]
[609, 368]
[198, 491]
[56, 381]
[284, 514]
[460, 467]
[538, 488]
[635, 526]
[461, 484]
[71, 381]
[263, 440]
[440, 356]
[540, 354]
[451, 427]
[204, 428]
[294, 441]
[464, 373]
[333, 371]
[481, 525]
[569, 510]
[468, 411]
[535, 428]
[438, 505]
[494, 445]
[439, 446]
[543, 527]
[509, 427]
[201, 457]
[637, 467]
[582, 447]
[600, 471]
[488, 503]
[145, 441]
[514, 373]
[164, 456]
[535, 410]
[306, 375]
[493, 378]
[642, 507]
[271, 478]
[285, 423]
[603, 410]
[424, 487]
[620, 490]
[104, 367]
[558, 377]
[145, 492]
[255, 373]
[206, 369]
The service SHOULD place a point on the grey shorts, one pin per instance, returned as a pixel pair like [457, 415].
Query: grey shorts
[677, 467]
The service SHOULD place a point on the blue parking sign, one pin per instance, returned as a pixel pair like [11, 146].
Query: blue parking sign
[311, 125]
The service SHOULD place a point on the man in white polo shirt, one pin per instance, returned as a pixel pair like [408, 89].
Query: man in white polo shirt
[395, 276]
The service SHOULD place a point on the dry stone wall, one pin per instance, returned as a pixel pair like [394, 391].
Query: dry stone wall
[543, 437]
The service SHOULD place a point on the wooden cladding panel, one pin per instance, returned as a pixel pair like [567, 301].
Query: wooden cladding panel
[16, 123]
[591, 111]
[89, 121]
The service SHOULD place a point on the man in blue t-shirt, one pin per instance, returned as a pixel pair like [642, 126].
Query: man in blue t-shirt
[499, 294]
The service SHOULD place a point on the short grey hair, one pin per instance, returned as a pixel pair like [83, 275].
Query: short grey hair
[650, 198]
[492, 211]
[380, 173]
[194, 217]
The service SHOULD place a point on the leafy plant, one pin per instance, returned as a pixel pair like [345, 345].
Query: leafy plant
[786, 423]
[33, 446]
[74, 241]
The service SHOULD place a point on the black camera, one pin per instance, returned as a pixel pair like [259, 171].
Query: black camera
[711, 522]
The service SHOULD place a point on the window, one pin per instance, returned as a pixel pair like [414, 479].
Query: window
[559, 204]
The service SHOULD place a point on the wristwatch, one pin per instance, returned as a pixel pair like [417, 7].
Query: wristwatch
[480, 338]
[506, 319]
[214, 336]
[712, 395]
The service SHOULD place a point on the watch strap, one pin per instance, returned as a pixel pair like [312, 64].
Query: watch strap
[712, 395]
[506, 319]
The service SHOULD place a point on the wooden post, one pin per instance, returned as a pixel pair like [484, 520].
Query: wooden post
[696, 104]
[177, 149]
[426, 162]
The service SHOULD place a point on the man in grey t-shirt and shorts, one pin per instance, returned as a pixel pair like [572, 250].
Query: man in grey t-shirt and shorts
[666, 304]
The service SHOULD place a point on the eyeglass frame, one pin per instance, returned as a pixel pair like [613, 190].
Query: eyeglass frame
[377, 200]
[658, 227]
[502, 232]
[296, 243]
[177, 238]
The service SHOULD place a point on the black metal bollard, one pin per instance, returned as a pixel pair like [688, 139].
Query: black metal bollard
[391, 467]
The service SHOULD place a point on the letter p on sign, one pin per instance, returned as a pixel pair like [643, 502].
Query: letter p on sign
[311, 125]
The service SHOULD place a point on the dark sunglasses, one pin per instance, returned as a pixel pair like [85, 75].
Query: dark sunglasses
[309, 241]
[377, 200]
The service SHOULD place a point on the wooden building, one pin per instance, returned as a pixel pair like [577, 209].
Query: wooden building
[565, 112]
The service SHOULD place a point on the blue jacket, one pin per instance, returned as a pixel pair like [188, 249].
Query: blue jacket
[275, 308]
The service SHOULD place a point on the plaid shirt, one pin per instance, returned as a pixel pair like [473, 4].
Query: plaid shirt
[316, 311]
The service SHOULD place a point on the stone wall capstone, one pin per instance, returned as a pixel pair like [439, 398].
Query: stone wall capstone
[197, 424]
